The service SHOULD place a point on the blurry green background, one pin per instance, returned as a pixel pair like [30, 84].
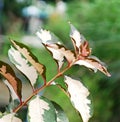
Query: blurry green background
[99, 22]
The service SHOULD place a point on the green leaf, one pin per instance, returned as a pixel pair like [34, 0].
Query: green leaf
[61, 116]
[40, 109]
[13, 83]
[78, 96]
[30, 58]
[10, 118]
[23, 65]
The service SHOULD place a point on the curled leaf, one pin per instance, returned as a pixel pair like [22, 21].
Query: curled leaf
[83, 53]
[76, 38]
[78, 96]
[7, 72]
[12, 92]
[84, 49]
[94, 64]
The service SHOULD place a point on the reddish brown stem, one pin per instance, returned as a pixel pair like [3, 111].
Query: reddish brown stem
[41, 88]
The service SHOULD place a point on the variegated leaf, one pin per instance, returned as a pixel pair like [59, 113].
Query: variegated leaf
[44, 36]
[76, 38]
[61, 116]
[30, 58]
[47, 37]
[59, 52]
[13, 99]
[85, 51]
[7, 72]
[58, 57]
[23, 65]
[10, 118]
[94, 64]
[78, 96]
[41, 109]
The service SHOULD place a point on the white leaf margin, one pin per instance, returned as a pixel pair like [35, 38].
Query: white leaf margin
[38, 109]
[86, 64]
[47, 37]
[59, 57]
[93, 63]
[78, 96]
[10, 118]
[22, 64]
[35, 113]
[12, 92]
[75, 34]
[44, 35]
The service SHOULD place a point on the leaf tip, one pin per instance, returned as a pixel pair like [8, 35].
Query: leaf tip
[108, 74]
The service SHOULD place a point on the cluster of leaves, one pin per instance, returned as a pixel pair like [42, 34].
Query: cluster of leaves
[101, 34]
[41, 109]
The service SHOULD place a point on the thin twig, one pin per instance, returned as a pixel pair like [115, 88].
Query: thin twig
[41, 88]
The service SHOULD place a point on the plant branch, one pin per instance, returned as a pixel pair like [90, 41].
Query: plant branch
[41, 88]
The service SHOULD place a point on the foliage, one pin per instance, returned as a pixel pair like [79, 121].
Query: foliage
[40, 108]
[99, 22]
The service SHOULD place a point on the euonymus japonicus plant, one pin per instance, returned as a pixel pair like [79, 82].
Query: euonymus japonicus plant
[40, 108]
